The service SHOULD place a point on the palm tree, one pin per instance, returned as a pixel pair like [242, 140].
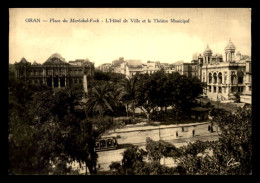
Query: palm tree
[100, 100]
[127, 88]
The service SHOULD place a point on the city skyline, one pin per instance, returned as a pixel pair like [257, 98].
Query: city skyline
[104, 42]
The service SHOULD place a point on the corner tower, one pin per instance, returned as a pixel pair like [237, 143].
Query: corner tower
[230, 51]
[207, 55]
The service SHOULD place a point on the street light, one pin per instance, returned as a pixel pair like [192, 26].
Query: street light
[159, 133]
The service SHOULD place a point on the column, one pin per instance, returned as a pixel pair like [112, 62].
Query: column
[43, 78]
[226, 56]
[228, 89]
[59, 82]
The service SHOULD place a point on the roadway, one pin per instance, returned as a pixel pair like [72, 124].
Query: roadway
[137, 136]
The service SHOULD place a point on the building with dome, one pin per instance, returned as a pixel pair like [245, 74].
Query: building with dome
[55, 71]
[225, 78]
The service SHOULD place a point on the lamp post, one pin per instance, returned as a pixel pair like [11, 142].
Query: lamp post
[159, 133]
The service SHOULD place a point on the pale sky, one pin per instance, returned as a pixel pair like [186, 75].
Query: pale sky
[104, 42]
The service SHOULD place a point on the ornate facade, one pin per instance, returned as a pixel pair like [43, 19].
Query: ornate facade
[224, 78]
[55, 71]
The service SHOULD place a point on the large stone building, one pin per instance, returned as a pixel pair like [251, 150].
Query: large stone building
[187, 69]
[55, 71]
[225, 77]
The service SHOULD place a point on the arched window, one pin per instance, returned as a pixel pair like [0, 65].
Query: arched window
[220, 78]
[210, 77]
[215, 78]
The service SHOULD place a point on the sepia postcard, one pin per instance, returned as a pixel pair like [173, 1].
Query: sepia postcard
[130, 91]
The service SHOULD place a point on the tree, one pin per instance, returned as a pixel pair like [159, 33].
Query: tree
[127, 88]
[45, 132]
[231, 154]
[100, 100]
[161, 89]
[146, 95]
[35, 134]
[80, 144]
[159, 149]
[134, 163]
[235, 142]
[184, 91]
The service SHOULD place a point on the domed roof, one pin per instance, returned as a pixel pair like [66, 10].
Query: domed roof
[55, 58]
[207, 50]
[56, 55]
[230, 46]
[238, 53]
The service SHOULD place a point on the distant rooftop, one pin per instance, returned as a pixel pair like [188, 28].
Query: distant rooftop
[134, 63]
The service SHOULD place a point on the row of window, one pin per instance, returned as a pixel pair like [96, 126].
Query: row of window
[40, 81]
[49, 72]
[215, 89]
[233, 89]
[218, 80]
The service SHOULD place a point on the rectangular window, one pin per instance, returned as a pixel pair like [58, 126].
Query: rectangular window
[215, 89]
[240, 80]
[209, 88]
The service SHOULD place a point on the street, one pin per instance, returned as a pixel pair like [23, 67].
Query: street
[137, 135]
[168, 134]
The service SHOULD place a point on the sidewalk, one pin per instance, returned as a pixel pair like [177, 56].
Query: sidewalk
[145, 128]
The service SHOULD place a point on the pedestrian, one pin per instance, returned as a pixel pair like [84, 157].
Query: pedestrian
[193, 132]
[176, 133]
[182, 129]
[209, 128]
